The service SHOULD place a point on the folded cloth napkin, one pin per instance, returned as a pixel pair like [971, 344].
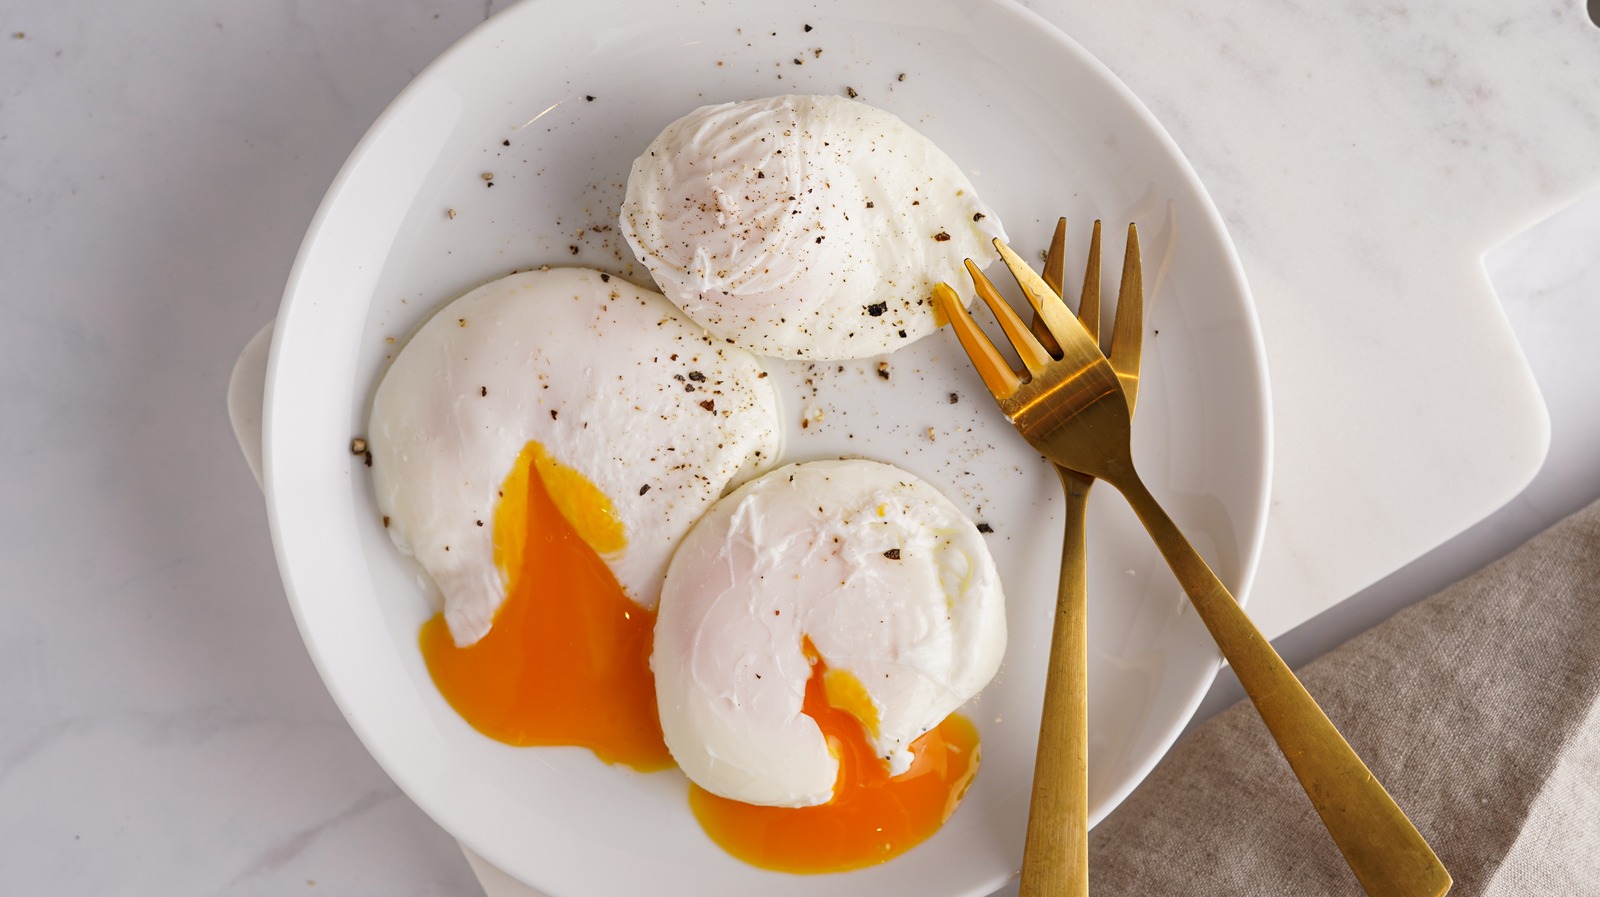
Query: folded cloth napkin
[1477, 709]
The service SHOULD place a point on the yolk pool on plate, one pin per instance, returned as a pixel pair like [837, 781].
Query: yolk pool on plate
[568, 659]
[872, 817]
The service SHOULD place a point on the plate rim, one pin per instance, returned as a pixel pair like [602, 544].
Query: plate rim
[1262, 440]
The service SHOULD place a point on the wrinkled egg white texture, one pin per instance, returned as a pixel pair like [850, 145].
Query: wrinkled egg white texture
[611, 379]
[804, 227]
[885, 576]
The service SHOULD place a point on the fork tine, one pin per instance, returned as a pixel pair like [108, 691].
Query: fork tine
[1127, 333]
[1034, 357]
[1049, 306]
[1055, 265]
[1089, 300]
[996, 372]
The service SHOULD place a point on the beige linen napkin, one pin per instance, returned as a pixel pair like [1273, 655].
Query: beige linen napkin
[1477, 709]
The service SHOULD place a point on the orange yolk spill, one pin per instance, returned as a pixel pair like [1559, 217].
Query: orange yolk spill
[567, 661]
[940, 316]
[872, 817]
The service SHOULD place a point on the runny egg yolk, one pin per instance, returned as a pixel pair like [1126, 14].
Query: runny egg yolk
[567, 661]
[871, 817]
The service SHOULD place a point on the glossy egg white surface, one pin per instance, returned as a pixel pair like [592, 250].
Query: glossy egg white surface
[808, 227]
[886, 578]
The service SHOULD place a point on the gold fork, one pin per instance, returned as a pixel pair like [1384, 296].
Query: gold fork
[1055, 857]
[1075, 412]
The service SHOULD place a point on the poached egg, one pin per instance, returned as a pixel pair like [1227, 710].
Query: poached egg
[635, 420]
[804, 227]
[856, 566]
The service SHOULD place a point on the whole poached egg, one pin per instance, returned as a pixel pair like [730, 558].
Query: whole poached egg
[634, 418]
[855, 565]
[804, 227]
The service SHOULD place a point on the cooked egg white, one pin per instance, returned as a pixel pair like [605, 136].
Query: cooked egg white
[804, 227]
[891, 586]
[591, 376]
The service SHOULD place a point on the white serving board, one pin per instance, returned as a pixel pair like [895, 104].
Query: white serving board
[1365, 156]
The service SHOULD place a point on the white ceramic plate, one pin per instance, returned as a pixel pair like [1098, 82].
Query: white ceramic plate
[1044, 131]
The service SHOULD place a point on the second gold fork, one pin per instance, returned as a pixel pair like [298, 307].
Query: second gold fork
[1055, 858]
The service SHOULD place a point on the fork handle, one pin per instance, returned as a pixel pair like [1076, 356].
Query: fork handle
[1386, 852]
[1055, 856]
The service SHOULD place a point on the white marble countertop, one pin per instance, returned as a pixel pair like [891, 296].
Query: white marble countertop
[164, 730]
